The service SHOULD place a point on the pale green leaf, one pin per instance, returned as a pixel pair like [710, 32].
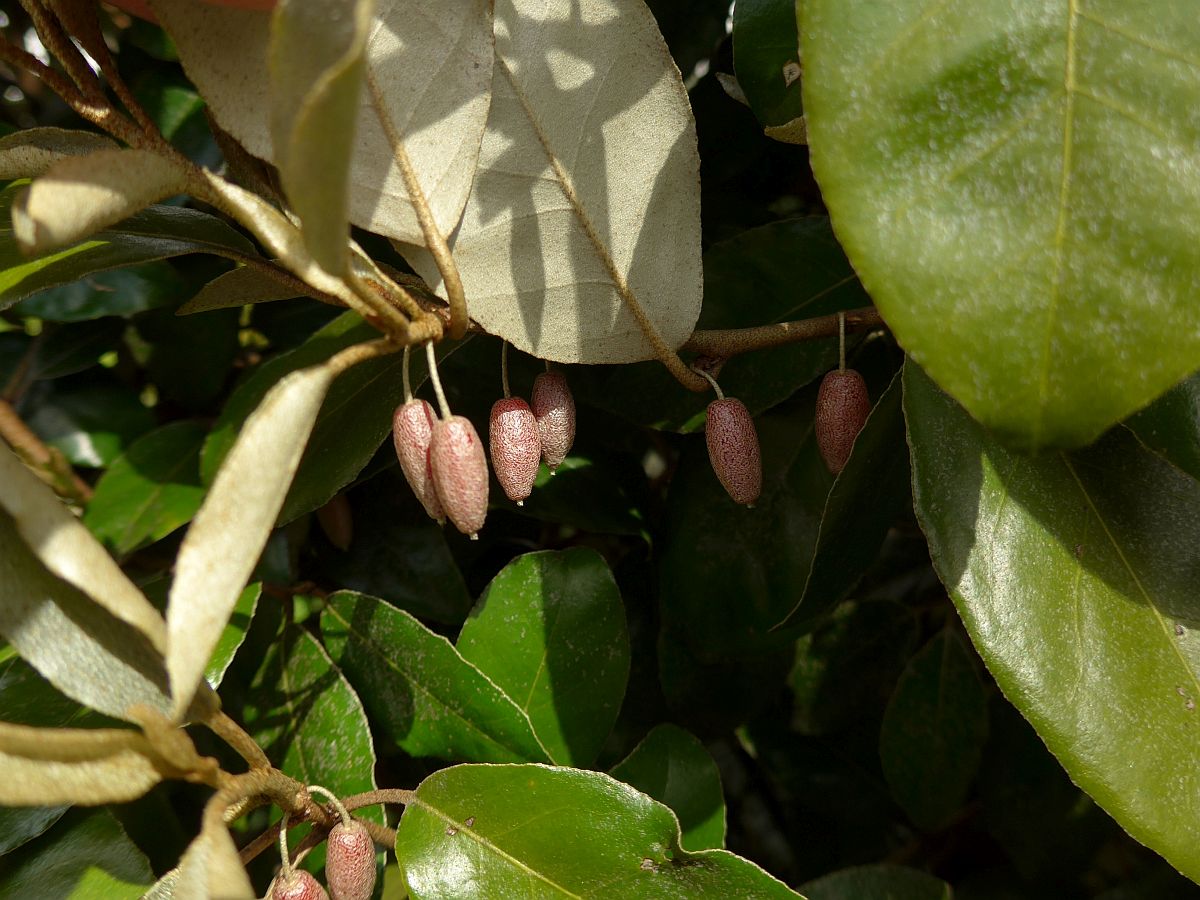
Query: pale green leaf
[245, 284]
[32, 151]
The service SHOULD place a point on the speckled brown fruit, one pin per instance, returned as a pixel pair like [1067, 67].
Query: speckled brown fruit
[842, 407]
[460, 473]
[554, 408]
[350, 862]
[516, 447]
[412, 432]
[733, 449]
[301, 886]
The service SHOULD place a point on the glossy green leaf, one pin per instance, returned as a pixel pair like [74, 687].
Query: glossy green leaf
[976, 163]
[233, 635]
[158, 232]
[933, 731]
[120, 292]
[399, 554]
[1073, 574]
[587, 493]
[307, 718]
[868, 495]
[550, 632]
[882, 882]
[91, 419]
[1171, 425]
[76, 347]
[150, 490]
[355, 418]
[536, 831]
[21, 824]
[418, 690]
[673, 767]
[793, 269]
[847, 665]
[316, 64]
[766, 58]
[86, 855]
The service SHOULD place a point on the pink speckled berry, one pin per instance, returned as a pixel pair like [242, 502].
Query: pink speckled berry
[842, 407]
[516, 447]
[300, 886]
[412, 432]
[350, 862]
[460, 473]
[554, 408]
[733, 449]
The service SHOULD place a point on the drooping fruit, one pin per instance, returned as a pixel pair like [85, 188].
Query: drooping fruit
[337, 521]
[460, 473]
[733, 449]
[412, 433]
[554, 408]
[516, 447]
[300, 885]
[350, 862]
[842, 407]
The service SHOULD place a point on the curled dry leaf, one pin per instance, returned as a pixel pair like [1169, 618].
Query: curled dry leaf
[30, 153]
[67, 548]
[46, 766]
[226, 537]
[586, 201]
[210, 867]
[433, 66]
[516, 447]
[80, 195]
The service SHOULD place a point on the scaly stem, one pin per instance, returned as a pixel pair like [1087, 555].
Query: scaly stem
[504, 368]
[236, 737]
[407, 384]
[431, 359]
[841, 342]
[728, 342]
[337, 804]
[716, 387]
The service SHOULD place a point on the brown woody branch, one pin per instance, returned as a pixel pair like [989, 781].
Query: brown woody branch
[728, 342]
[46, 460]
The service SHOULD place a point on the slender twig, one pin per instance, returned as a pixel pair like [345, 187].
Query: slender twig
[63, 479]
[352, 356]
[841, 342]
[431, 360]
[434, 239]
[383, 795]
[504, 368]
[404, 374]
[716, 387]
[728, 342]
[55, 39]
[236, 737]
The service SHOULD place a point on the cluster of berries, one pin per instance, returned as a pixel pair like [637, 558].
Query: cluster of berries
[444, 462]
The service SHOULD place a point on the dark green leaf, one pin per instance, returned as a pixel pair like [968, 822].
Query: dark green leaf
[233, 635]
[120, 292]
[307, 718]
[550, 632]
[399, 554]
[766, 58]
[157, 232]
[791, 269]
[674, 768]
[86, 855]
[976, 162]
[190, 359]
[845, 668]
[585, 493]
[862, 505]
[178, 111]
[90, 420]
[1074, 574]
[21, 824]
[1171, 425]
[150, 490]
[877, 883]
[527, 830]
[73, 348]
[933, 731]
[418, 690]
[13, 347]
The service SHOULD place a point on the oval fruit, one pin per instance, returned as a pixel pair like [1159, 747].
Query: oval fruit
[733, 449]
[554, 408]
[412, 433]
[460, 473]
[516, 447]
[301, 885]
[350, 862]
[842, 407]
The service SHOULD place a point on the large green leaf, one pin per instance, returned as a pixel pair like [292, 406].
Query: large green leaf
[766, 58]
[674, 768]
[885, 882]
[307, 718]
[150, 490]
[86, 855]
[120, 292]
[1014, 184]
[154, 233]
[793, 269]
[91, 419]
[418, 690]
[233, 634]
[550, 632]
[933, 731]
[1075, 575]
[67, 349]
[536, 831]
[1171, 425]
